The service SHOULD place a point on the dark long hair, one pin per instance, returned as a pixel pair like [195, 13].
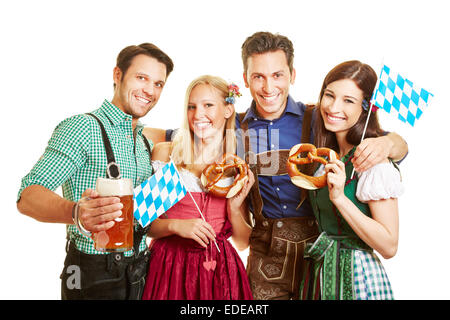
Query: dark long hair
[365, 79]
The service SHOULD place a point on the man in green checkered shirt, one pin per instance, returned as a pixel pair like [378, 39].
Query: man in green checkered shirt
[75, 157]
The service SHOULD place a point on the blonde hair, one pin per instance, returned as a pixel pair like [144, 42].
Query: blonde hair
[183, 142]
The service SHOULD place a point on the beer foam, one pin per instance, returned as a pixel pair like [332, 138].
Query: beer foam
[114, 187]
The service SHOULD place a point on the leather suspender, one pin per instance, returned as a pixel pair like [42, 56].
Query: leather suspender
[306, 123]
[306, 135]
[255, 194]
[113, 170]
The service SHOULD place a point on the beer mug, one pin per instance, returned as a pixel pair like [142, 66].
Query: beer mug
[119, 238]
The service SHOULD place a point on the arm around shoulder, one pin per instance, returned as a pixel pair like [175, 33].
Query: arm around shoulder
[399, 147]
[155, 134]
[372, 151]
[161, 151]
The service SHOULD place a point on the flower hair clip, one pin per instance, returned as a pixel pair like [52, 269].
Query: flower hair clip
[366, 105]
[233, 92]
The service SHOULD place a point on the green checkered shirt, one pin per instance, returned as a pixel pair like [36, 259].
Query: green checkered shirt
[75, 157]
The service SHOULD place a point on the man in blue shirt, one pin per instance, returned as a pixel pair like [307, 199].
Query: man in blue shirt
[265, 133]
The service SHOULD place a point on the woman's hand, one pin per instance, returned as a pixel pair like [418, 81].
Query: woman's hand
[335, 170]
[238, 214]
[235, 203]
[195, 229]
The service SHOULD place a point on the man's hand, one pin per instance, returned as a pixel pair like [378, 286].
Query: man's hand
[98, 213]
[371, 151]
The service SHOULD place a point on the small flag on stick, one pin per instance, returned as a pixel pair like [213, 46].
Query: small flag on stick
[398, 96]
[158, 194]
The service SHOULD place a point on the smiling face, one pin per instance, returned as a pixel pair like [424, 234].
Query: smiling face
[268, 77]
[138, 90]
[207, 112]
[341, 105]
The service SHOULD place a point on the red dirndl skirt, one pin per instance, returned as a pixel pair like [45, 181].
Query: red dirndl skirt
[177, 272]
[177, 269]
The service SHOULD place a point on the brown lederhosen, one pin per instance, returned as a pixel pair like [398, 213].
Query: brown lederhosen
[275, 262]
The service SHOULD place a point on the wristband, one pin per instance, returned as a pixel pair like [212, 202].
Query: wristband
[77, 222]
[73, 212]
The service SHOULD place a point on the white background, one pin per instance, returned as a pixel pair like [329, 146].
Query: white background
[57, 59]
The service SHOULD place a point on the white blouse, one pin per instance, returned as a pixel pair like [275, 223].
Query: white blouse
[382, 181]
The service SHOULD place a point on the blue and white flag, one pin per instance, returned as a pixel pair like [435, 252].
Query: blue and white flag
[398, 96]
[158, 193]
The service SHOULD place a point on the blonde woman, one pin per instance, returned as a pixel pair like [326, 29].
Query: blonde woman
[185, 263]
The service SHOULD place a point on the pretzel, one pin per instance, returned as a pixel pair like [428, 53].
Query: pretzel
[214, 181]
[314, 155]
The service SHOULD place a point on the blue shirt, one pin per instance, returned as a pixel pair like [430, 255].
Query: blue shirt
[280, 196]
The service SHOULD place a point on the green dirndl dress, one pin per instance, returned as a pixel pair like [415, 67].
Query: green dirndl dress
[339, 265]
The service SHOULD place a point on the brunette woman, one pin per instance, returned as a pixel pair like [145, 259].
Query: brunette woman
[357, 216]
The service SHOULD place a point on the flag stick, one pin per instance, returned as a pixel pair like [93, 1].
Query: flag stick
[370, 109]
[364, 132]
[201, 214]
